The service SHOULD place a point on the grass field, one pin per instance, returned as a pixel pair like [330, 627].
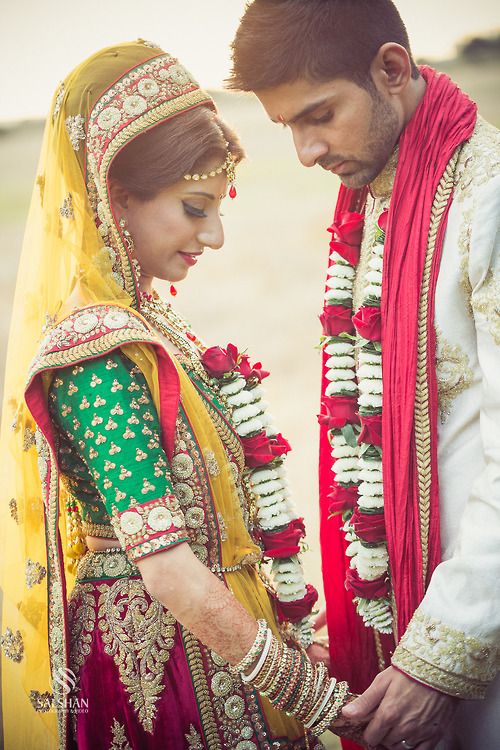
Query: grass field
[263, 290]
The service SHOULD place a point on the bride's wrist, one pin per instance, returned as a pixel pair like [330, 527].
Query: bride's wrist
[291, 682]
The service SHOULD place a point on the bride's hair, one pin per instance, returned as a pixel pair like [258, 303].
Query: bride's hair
[191, 142]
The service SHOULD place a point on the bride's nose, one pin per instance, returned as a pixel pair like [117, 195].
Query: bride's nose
[212, 234]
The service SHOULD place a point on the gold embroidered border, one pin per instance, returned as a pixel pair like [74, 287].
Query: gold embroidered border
[58, 647]
[89, 349]
[196, 667]
[446, 682]
[446, 658]
[141, 124]
[422, 415]
[102, 530]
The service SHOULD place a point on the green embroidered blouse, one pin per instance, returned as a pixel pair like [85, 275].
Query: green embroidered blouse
[110, 451]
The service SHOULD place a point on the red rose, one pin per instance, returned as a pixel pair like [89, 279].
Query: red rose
[261, 449]
[382, 219]
[349, 228]
[251, 371]
[297, 610]
[257, 450]
[283, 543]
[366, 589]
[218, 361]
[343, 498]
[350, 253]
[338, 410]
[371, 429]
[370, 527]
[280, 445]
[368, 323]
[336, 319]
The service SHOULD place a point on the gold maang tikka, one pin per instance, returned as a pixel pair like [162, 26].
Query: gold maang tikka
[228, 166]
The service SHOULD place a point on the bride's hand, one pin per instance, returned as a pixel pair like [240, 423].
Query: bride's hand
[347, 729]
[319, 652]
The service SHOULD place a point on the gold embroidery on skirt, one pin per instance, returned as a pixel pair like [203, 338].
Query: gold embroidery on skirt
[139, 634]
[120, 741]
[193, 739]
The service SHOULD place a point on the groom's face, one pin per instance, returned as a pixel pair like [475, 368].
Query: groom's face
[346, 129]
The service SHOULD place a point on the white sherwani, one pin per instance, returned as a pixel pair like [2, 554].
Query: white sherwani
[453, 640]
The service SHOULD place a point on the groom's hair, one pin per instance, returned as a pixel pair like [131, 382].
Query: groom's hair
[279, 41]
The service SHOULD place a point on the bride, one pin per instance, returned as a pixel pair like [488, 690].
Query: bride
[147, 482]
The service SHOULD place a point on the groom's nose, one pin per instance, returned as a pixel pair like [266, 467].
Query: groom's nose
[309, 147]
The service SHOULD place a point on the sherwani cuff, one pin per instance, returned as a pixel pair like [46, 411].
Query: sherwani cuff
[446, 659]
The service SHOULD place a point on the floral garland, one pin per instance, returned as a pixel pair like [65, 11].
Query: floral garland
[278, 530]
[352, 413]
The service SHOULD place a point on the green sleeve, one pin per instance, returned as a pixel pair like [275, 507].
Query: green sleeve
[105, 408]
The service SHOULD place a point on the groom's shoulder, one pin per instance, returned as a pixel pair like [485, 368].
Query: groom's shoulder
[479, 160]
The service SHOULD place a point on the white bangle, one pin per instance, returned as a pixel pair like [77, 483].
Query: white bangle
[267, 645]
[329, 692]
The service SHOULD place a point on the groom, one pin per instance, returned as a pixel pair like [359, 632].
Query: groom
[410, 506]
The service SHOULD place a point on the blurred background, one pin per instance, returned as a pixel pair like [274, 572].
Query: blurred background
[263, 290]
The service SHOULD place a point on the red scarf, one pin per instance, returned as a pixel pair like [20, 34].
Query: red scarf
[444, 119]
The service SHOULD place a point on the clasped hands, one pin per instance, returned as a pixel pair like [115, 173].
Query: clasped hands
[399, 713]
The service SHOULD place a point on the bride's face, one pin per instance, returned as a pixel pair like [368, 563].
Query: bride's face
[171, 231]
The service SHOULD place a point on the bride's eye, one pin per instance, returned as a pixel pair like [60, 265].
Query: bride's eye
[193, 211]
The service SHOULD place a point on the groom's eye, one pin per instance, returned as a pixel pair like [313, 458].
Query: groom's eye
[326, 117]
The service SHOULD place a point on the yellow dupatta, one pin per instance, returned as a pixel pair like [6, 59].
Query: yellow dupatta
[73, 256]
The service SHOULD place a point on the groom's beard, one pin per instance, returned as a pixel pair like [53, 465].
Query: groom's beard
[382, 135]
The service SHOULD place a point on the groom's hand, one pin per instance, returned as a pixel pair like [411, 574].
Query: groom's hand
[404, 710]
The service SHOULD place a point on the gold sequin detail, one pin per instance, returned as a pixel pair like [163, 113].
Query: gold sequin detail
[120, 741]
[34, 573]
[13, 509]
[486, 301]
[454, 374]
[12, 644]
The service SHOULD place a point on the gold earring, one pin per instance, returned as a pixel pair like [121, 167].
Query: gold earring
[129, 242]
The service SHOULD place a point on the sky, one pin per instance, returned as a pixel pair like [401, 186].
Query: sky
[42, 41]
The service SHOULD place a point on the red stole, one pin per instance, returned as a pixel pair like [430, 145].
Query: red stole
[444, 119]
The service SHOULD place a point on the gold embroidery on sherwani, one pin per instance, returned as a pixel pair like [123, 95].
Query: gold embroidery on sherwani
[445, 658]
[463, 253]
[139, 634]
[479, 160]
[454, 374]
[422, 409]
[120, 741]
[486, 301]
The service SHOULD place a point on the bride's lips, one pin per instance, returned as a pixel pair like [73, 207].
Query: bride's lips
[190, 258]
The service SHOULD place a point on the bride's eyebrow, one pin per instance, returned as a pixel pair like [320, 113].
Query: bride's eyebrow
[200, 193]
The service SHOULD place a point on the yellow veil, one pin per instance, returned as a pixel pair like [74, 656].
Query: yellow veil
[73, 250]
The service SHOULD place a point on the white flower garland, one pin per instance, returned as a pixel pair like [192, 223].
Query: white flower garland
[271, 495]
[350, 466]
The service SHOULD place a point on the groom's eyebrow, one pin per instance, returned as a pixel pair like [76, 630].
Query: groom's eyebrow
[304, 112]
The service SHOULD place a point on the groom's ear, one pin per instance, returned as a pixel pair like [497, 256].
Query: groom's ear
[391, 69]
